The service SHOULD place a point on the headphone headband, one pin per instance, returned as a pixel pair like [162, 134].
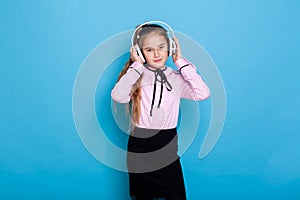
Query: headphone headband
[151, 22]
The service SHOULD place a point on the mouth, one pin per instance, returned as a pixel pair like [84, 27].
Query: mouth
[157, 60]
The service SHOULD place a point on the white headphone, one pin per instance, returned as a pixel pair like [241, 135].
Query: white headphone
[171, 35]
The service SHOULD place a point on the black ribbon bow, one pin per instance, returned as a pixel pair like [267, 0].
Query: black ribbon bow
[163, 80]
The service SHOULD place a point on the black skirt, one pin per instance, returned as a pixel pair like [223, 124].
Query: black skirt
[154, 165]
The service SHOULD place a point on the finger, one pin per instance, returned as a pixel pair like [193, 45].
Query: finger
[176, 41]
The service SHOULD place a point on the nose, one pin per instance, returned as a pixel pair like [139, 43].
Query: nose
[156, 53]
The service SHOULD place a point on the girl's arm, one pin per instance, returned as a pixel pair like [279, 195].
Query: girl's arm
[192, 86]
[122, 90]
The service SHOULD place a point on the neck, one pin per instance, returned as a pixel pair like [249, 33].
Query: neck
[163, 68]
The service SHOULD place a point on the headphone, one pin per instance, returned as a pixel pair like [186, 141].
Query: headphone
[170, 35]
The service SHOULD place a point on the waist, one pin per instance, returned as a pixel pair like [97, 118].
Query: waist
[141, 132]
[144, 140]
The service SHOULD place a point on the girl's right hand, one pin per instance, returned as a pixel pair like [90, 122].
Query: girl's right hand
[134, 56]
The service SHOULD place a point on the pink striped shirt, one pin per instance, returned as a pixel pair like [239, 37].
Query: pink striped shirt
[160, 109]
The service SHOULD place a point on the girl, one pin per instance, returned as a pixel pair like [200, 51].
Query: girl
[154, 91]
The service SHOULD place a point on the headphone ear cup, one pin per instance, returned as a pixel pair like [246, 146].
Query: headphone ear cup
[172, 47]
[139, 52]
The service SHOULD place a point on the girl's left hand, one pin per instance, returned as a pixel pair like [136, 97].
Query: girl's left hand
[177, 53]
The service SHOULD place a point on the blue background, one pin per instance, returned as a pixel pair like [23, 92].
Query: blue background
[255, 44]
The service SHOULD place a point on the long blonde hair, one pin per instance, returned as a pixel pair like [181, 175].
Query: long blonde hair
[135, 95]
[136, 88]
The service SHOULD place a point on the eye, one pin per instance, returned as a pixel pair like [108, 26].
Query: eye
[148, 49]
[162, 47]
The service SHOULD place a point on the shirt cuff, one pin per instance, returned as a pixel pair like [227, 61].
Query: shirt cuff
[138, 67]
[181, 62]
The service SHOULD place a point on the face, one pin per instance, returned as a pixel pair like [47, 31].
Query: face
[155, 49]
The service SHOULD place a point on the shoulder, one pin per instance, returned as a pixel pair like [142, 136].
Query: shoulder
[171, 72]
[174, 76]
